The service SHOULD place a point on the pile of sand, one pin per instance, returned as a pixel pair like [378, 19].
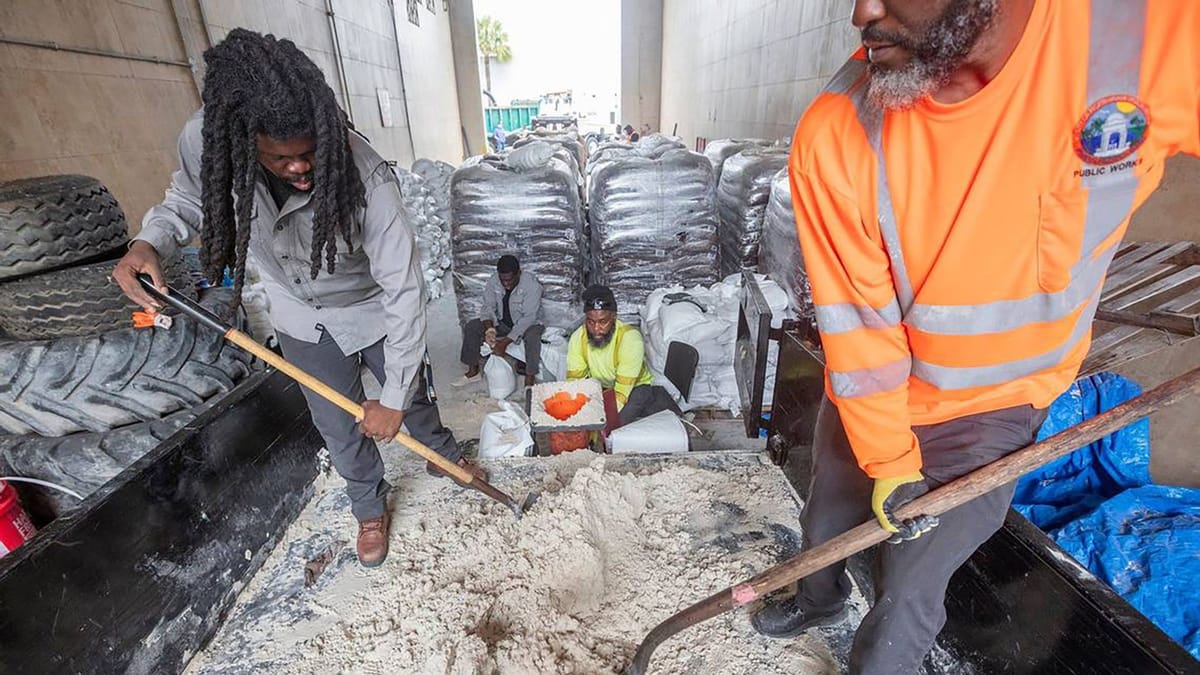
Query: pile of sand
[571, 588]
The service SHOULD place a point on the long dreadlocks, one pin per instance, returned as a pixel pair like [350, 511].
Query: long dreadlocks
[258, 84]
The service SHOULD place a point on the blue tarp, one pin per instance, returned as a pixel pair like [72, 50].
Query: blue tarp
[1099, 505]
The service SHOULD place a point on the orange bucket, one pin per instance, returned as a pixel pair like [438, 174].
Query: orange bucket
[568, 441]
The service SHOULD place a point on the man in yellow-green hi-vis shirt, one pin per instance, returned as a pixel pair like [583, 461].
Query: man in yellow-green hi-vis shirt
[609, 350]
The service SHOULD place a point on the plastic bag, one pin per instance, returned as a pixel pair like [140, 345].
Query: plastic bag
[505, 433]
[659, 433]
[501, 379]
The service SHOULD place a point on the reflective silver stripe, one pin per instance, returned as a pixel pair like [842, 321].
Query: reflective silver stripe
[949, 378]
[870, 116]
[1116, 36]
[867, 381]
[845, 317]
[1004, 315]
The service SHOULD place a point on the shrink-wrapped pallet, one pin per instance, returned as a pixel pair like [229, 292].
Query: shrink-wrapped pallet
[653, 222]
[779, 250]
[742, 197]
[533, 213]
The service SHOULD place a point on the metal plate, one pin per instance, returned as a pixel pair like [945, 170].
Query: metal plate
[750, 353]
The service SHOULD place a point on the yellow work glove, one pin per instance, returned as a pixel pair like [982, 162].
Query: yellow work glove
[889, 494]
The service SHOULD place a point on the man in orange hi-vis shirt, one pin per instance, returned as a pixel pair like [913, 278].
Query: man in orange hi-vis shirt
[960, 188]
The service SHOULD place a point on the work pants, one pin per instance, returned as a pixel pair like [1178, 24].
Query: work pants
[355, 456]
[911, 579]
[473, 340]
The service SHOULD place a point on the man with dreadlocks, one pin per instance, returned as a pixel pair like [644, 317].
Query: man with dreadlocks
[269, 166]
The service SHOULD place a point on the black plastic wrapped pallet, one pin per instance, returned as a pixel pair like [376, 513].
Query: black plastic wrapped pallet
[653, 223]
[742, 197]
[143, 573]
[719, 150]
[535, 215]
[779, 250]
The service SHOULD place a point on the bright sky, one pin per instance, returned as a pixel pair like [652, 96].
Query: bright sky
[557, 45]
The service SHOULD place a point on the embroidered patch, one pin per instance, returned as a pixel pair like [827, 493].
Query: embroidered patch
[1111, 130]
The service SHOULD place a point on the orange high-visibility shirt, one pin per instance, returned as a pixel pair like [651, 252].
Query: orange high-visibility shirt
[967, 278]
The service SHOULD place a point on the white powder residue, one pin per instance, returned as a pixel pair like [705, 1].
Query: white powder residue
[571, 588]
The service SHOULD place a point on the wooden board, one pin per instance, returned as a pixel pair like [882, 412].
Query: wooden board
[1150, 301]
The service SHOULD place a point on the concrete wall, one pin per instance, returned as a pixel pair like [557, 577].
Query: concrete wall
[366, 36]
[113, 118]
[748, 68]
[466, 76]
[117, 117]
[643, 67]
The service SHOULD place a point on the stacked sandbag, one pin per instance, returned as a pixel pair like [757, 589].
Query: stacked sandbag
[723, 148]
[433, 235]
[779, 250]
[742, 197]
[527, 204]
[568, 140]
[706, 319]
[653, 217]
[437, 179]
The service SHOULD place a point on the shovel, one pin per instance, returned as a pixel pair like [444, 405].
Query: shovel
[237, 337]
[955, 493]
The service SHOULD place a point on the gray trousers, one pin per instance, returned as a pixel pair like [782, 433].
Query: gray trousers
[911, 579]
[644, 401]
[355, 456]
[473, 340]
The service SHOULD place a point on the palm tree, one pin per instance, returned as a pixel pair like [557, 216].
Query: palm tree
[493, 44]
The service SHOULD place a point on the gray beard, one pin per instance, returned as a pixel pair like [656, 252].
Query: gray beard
[940, 51]
[599, 343]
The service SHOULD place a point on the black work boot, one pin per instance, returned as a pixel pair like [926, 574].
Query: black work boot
[790, 617]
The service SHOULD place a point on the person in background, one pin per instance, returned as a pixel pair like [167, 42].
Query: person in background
[611, 351]
[631, 135]
[499, 137]
[512, 304]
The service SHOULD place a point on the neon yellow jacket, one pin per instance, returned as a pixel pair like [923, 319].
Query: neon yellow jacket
[619, 365]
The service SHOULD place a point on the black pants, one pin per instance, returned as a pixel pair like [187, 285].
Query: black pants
[910, 585]
[355, 456]
[473, 340]
[646, 400]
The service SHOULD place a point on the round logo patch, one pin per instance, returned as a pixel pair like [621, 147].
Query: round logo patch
[1111, 129]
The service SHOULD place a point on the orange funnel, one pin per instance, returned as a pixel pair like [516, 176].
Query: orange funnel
[562, 405]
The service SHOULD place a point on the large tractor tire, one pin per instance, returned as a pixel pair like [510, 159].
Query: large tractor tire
[97, 383]
[82, 462]
[54, 221]
[80, 300]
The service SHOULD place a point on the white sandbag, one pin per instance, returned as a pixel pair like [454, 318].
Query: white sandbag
[516, 350]
[661, 432]
[505, 433]
[501, 379]
[553, 366]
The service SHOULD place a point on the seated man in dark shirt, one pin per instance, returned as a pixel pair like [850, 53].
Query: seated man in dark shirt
[512, 301]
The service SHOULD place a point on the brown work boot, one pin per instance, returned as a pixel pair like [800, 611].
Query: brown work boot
[373, 541]
[476, 470]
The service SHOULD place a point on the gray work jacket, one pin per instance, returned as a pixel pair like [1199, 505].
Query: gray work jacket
[525, 303]
[375, 290]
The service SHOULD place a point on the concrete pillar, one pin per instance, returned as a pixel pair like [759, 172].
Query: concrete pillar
[641, 63]
[466, 73]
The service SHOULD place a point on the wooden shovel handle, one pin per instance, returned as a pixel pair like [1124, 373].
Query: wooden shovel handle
[953, 494]
[326, 392]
